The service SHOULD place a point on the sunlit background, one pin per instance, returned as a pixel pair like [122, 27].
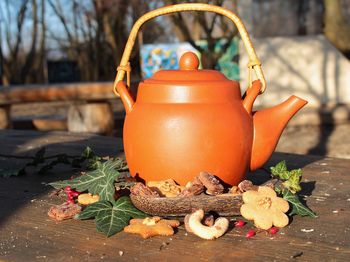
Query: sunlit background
[304, 46]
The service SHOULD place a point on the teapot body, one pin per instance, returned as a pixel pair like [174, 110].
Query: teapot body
[178, 131]
[189, 120]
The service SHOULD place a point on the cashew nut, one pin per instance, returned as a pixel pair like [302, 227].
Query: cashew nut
[207, 232]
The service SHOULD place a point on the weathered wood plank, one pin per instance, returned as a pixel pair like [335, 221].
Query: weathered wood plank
[5, 119]
[59, 92]
[91, 118]
[27, 234]
[92, 91]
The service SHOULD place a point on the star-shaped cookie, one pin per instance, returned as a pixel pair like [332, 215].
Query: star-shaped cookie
[152, 226]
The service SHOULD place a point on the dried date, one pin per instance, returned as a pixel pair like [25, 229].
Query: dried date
[140, 189]
[211, 183]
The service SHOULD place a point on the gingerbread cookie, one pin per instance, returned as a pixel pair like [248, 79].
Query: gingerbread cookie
[152, 226]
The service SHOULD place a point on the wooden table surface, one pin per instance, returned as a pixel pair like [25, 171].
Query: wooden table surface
[27, 233]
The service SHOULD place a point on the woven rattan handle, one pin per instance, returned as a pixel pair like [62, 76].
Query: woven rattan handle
[254, 62]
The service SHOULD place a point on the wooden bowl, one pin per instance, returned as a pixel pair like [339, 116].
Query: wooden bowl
[224, 205]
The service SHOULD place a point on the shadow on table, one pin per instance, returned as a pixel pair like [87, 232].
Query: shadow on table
[18, 192]
[293, 161]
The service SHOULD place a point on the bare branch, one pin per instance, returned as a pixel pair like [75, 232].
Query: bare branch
[58, 11]
[30, 57]
[20, 19]
[179, 22]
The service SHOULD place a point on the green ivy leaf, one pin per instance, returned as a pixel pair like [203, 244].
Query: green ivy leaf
[280, 170]
[111, 218]
[291, 178]
[92, 210]
[99, 181]
[93, 162]
[87, 153]
[293, 182]
[297, 207]
[121, 164]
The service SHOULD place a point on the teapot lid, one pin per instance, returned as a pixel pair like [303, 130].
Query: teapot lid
[188, 72]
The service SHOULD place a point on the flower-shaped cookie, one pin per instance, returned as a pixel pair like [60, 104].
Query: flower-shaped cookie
[265, 208]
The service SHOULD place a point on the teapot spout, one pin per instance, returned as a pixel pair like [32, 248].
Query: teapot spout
[268, 127]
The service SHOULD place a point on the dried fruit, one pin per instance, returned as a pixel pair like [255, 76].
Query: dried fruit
[246, 185]
[235, 191]
[209, 220]
[211, 183]
[192, 190]
[140, 189]
[166, 188]
[64, 211]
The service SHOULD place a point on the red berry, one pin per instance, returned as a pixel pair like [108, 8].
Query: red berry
[250, 233]
[69, 196]
[273, 230]
[239, 223]
[71, 201]
[74, 193]
[67, 189]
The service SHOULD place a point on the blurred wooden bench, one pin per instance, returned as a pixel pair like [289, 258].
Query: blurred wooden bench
[90, 112]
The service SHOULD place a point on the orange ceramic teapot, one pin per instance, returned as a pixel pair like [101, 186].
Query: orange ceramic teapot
[189, 120]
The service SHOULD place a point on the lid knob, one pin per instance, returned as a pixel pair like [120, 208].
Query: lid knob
[189, 61]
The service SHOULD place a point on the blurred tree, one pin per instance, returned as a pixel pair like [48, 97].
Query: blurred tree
[11, 61]
[287, 17]
[337, 29]
[96, 33]
[206, 26]
[20, 62]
